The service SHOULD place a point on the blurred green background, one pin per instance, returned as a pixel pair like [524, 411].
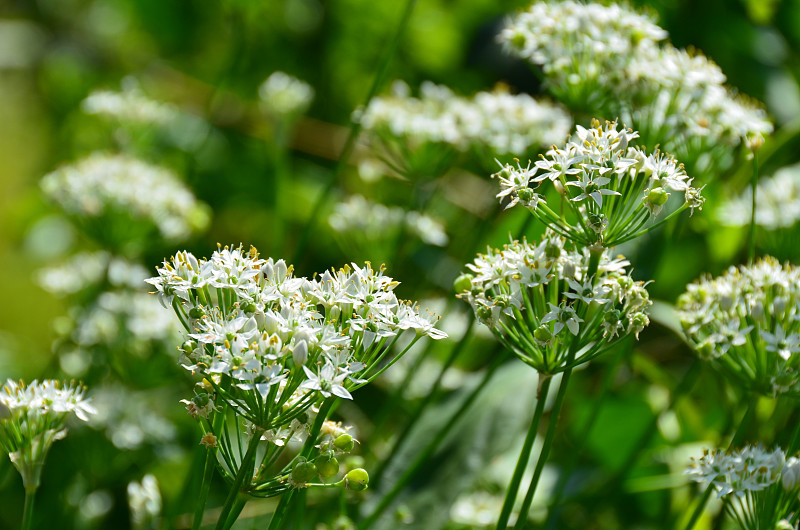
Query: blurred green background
[208, 59]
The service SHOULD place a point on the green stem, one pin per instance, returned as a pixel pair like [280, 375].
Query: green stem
[355, 128]
[735, 441]
[524, 454]
[753, 188]
[27, 512]
[286, 499]
[548, 443]
[426, 453]
[581, 439]
[277, 515]
[205, 487]
[245, 470]
[430, 398]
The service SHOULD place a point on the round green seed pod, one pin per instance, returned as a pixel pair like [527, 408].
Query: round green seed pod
[303, 471]
[327, 465]
[197, 312]
[344, 442]
[357, 480]
[463, 283]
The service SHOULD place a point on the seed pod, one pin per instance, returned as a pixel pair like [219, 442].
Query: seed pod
[344, 442]
[303, 471]
[356, 480]
[327, 465]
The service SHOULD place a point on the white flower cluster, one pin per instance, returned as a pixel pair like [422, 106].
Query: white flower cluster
[747, 321]
[777, 202]
[419, 136]
[611, 187]
[269, 346]
[33, 417]
[131, 106]
[270, 332]
[144, 501]
[608, 60]
[749, 469]
[543, 302]
[90, 268]
[105, 186]
[366, 227]
[283, 95]
[764, 484]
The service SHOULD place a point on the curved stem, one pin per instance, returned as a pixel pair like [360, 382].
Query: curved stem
[548, 443]
[27, 513]
[524, 455]
[355, 128]
[426, 453]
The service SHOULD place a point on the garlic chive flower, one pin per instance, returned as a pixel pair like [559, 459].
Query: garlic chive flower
[608, 60]
[611, 190]
[421, 137]
[271, 346]
[129, 106]
[123, 195]
[543, 303]
[765, 485]
[777, 202]
[33, 418]
[284, 96]
[371, 230]
[747, 323]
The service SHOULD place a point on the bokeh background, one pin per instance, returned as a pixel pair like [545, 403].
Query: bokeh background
[207, 60]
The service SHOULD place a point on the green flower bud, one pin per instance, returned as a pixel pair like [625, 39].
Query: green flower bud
[542, 334]
[344, 442]
[657, 197]
[525, 194]
[327, 465]
[303, 471]
[197, 312]
[356, 480]
[463, 283]
[201, 400]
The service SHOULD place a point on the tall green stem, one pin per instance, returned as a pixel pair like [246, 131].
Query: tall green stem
[524, 455]
[582, 438]
[27, 513]
[205, 487]
[245, 471]
[355, 128]
[753, 187]
[426, 453]
[548, 443]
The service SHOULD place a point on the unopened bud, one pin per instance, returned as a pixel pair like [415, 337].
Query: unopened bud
[300, 353]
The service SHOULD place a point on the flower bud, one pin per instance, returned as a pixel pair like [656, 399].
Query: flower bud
[327, 465]
[356, 480]
[300, 353]
[303, 471]
[791, 474]
[525, 194]
[463, 283]
[543, 334]
[344, 442]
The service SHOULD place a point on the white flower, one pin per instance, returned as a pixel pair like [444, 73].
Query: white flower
[284, 95]
[327, 381]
